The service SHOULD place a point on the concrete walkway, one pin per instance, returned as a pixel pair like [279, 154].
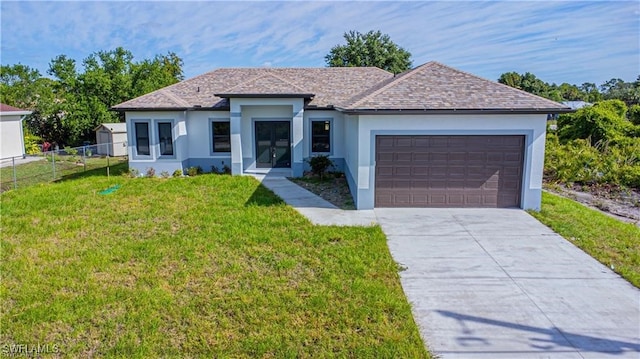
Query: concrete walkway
[496, 283]
[316, 209]
[8, 162]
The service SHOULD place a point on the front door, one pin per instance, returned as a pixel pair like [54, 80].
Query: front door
[273, 144]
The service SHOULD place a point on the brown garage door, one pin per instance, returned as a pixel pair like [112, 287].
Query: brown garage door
[448, 171]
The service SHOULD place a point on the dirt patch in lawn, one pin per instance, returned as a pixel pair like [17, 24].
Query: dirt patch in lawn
[623, 204]
[333, 188]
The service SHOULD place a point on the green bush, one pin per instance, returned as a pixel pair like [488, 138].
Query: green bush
[133, 173]
[634, 114]
[194, 171]
[31, 143]
[604, 121]
[320, 164]
[177, 173]
[71, 151]
[579, 161]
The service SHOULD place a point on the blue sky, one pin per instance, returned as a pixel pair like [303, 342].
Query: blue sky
[558, 41]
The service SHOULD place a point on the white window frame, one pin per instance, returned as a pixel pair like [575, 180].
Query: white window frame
[212, 150]
[331, 135]
[134, 138]
[156, 139]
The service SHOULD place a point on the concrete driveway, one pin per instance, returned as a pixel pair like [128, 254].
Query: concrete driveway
[496, 283]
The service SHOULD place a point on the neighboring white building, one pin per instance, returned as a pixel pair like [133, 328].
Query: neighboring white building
[11, 134]
[112, 139]
[576, 105]
[433, 136]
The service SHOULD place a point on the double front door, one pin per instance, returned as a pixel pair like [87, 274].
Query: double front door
[273, 144]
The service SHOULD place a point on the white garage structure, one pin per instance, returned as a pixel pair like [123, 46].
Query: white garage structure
[11, 134]
[112, 139]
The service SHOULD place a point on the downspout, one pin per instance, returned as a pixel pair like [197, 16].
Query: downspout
[24, 154]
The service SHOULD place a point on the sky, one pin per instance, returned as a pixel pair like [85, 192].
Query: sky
[558, 41]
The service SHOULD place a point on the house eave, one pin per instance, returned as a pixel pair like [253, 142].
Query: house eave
[258, 95]
[531, 111]
[166, 109]
[15, 113]
[125, 109]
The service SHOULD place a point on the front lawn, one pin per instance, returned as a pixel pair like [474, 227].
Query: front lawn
[208, 266]
[608, 240]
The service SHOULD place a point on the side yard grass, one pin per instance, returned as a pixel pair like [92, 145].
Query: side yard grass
[613, 243]
[42, 171]
[208, 266]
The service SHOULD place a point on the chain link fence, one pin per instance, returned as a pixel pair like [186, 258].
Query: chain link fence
[49, 166]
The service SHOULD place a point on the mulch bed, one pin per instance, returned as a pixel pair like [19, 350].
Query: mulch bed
[333, 189]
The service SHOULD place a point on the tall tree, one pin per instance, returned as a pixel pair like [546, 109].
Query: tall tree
[18, 85]
[512, 79]
[69, 105]
[629, 92]
[570, 92]
[564, 92]
[370, 49]
[149, 75]
[591, 92]
[530, 83]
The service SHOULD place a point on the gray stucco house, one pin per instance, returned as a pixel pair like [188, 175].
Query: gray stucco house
[433, 136]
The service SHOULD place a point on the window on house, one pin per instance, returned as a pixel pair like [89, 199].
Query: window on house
[221, 136]
[165, 138]
[142, 139]
[320, 136]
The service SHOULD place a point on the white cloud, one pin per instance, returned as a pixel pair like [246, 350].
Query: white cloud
[558, 41]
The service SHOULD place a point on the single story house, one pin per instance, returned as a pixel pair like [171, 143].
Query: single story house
[112, 139]
[433, 136]
[11, 134]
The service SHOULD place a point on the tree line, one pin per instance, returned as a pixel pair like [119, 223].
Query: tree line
[71, 102]
[614, 89]
[597, 145]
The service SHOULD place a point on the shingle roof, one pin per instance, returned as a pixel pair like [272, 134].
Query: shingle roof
[329, 86]
[432, 86]
[116, 127]
[7, 108]
[265, 84]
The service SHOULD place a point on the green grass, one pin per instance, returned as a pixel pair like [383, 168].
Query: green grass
[42, 171]
[208, 266]
[610, 241]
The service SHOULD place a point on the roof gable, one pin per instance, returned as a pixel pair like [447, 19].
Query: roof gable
[265, 85]
[12, 111]
[116, 127]
[7, 108]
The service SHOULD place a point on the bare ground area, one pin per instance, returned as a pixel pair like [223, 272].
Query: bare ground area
[332, 188]
[623, 204]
